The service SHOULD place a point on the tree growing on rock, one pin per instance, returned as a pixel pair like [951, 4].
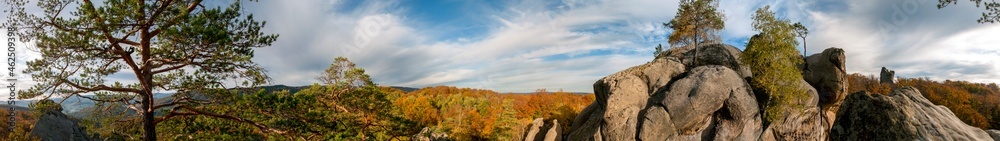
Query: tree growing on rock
[166, 45]
[772, 57]
[697, 21]
[801, 31]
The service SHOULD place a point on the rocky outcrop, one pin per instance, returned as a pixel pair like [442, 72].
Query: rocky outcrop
[803, 120]
[56, 126]
[903, 114]
[886, 76]
[713, 102]
[827, 73]
[428, 134]
[709, 101]
[994, 133]
[717, 54]
[533, 129]
[553, 132]
[619, 99]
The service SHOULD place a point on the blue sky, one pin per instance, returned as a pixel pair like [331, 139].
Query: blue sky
[524, 45]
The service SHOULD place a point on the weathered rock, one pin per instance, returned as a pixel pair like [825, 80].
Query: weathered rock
[903, 114]
[827, 73]
[56, 126]
[887, 76]
[694, 101]
[802, 121]
[994, 133]
[533, 130]
[712, 102]
[620, 97]
[553, 133]
[717, 54]
[428, 134]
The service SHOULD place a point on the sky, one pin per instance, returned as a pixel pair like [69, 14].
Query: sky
[525, 45]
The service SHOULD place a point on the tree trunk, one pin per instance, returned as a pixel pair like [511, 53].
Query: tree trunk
[146, 79]
[149, 128]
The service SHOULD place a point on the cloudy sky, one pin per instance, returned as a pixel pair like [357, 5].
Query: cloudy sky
[521, 46]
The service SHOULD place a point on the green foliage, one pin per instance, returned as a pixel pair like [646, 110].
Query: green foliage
[348, 108]
[697, 21]
[45, 105]
[772, 58]
[990, 15]
[167, 45]
[659, 49]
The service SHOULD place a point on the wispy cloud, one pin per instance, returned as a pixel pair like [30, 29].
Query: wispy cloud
[523, 45]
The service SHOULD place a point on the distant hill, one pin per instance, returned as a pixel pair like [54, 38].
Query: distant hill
[16, 108]
[405, 89]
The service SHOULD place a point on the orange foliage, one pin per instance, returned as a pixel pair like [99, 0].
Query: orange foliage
[976, 104]
[476, 114]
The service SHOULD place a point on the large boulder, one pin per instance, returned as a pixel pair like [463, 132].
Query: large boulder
[554, 132]
[56, 126]
[711, 102]
[887, 76]
[619, 98]
[532, 133]
[717, 54]
[802, 120]
[994, 133]
[827, 73]
[903, 114]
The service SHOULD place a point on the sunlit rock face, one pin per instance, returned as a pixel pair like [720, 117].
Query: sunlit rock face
[903, 114]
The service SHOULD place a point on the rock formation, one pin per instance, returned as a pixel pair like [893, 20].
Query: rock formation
[428, 134]
[667, 100]
[803, 121]
[887, 76]
[903, 114]
[554, 132]
[994, 133]
[56, 126]
[533, 129]
[826, 72]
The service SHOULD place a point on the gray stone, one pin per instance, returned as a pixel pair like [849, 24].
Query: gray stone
[903, 114]
[802, 121]
[827, 73]
[56, 126]
[620, 98]
[994, 133]
[717, 54]
[887, 76]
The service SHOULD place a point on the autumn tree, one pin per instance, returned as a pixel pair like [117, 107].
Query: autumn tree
[165, 45]
[358, 103]
[696, 21]
[991, 9]
[772, 57]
